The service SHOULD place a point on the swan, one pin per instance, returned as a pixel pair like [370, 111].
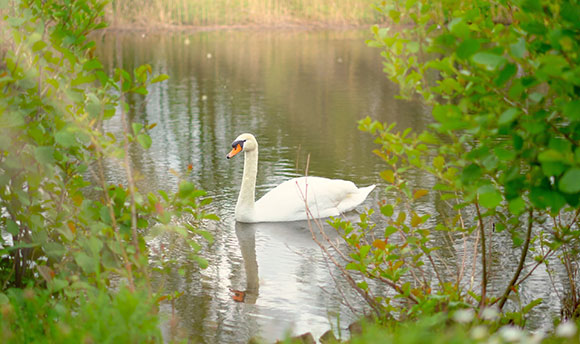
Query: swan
[286, 202]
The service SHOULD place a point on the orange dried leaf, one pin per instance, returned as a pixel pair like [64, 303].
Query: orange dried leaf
[380, 244]
[401, 217]
[416, 220]
[72, 227]
[388, 175]
[159, 208]
[78, 200]
[420, 193]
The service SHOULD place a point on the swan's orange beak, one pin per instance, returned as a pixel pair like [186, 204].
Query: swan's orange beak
[234, 151]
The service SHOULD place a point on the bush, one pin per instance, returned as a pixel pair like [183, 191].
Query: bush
[501, 158]
[73, 259]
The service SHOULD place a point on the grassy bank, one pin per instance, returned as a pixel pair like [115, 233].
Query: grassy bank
[155, 13]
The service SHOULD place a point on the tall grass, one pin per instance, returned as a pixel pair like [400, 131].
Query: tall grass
[241, 12]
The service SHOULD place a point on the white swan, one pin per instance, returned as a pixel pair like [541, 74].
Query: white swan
[286, 202]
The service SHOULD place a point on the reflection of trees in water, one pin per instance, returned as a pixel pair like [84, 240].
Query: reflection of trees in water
[311, 86]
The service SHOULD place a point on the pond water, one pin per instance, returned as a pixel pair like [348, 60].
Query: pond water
[300, 93]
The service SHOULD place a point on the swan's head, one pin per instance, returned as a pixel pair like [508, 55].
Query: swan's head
[243, 143]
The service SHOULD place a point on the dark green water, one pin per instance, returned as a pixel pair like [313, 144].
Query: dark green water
[300, 93]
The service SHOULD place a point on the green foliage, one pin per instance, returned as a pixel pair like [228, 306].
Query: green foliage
[67, 232]
[35, 316]
[458, 327]
[506, 91]
[502, 152]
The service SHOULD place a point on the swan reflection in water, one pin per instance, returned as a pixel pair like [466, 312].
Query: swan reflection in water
[282, 239]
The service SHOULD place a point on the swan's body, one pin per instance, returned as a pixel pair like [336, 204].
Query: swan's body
[295, 199]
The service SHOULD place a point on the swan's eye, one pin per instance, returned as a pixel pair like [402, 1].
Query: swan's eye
[239, 142]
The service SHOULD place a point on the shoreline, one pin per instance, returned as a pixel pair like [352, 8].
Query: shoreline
[159, 28]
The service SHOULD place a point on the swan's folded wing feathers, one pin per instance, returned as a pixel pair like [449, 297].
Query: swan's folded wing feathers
[324, 197]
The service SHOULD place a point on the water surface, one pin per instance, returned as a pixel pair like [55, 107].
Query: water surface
[300, 93]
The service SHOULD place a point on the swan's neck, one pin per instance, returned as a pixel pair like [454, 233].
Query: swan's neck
[246, 199]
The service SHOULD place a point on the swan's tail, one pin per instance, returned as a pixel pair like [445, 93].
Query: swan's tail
[355, 198]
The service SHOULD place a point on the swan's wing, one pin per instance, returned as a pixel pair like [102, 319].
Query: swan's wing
[325, 197]
[342, 195]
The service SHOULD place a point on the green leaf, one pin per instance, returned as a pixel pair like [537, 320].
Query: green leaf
[531, 5]
[38, 45]
[518, 49]
[159, 78]
[471, 174]
[140, 90]
[387, 210]
[489, 60]
[545, 198]
[504, 154]
[413, 47]
[505, 74]
[508, 116]
[553, 65]
[57, 284]
[83, 79]
[534, 27]
[570, 12]
[516, 206]
[65, 138]
[489, 196]
[551, 168]
[12, 227]
[212, 217]
[363, 285]
[572, 110]
[450, 117]
[560, 145]
[531, 305]
[536, 97]
[550, 155]
[136, 127]
[92, 65]
[144, 140]
[85, 262]
[202, 262]
[364, 251]
[10, 119]
[459, 28]
[44, 154]
[439, 162]
[570, 181]
[185, 188]
[390, 230]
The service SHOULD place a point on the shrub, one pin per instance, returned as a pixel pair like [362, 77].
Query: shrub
[501, 158]
[73, 259]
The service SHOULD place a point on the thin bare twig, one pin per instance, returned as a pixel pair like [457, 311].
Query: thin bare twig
[483, 257]
[548, 254]
[521, 262]
[130, 180]
[109, 204]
